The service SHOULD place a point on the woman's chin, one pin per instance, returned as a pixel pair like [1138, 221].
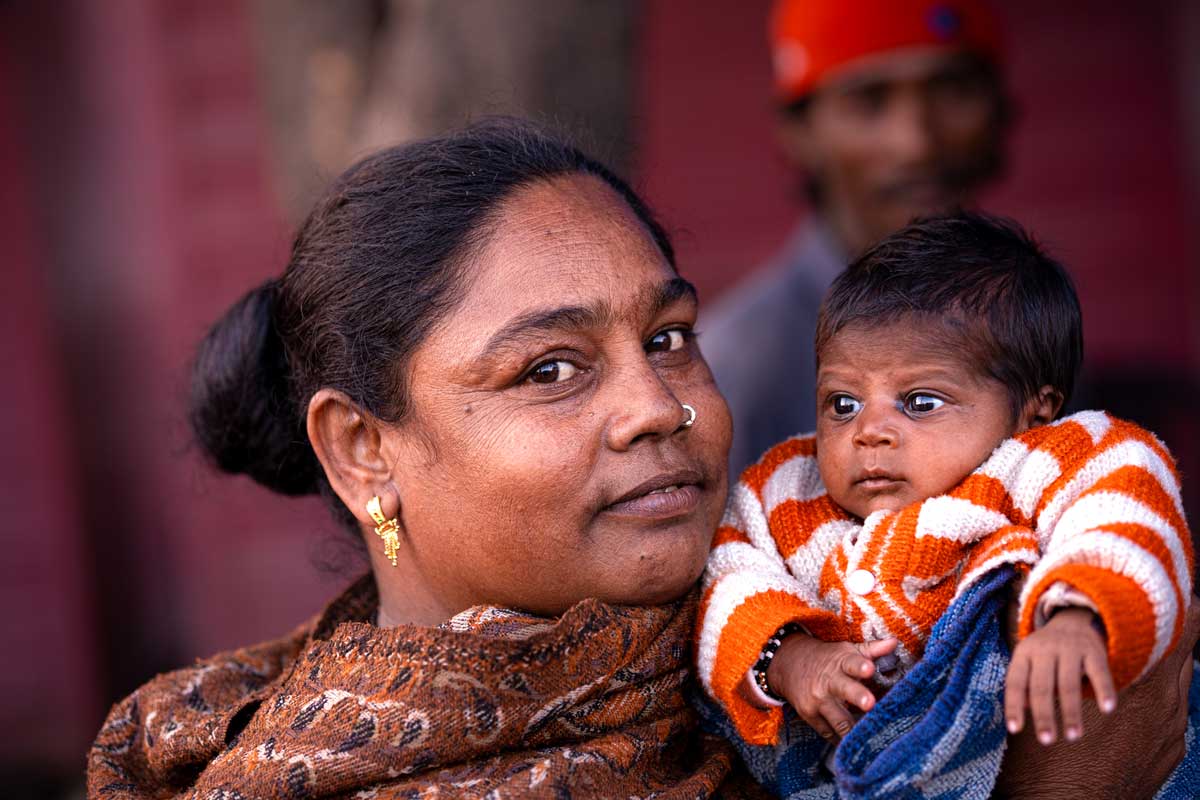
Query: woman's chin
[661, 595]
[657, 578]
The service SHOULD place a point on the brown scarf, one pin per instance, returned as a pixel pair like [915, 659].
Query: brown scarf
[493, 703]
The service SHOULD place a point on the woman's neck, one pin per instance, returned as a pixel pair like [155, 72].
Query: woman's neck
[405, 596]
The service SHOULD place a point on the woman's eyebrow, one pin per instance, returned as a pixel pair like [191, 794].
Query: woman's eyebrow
[532, 324]
[670, 292]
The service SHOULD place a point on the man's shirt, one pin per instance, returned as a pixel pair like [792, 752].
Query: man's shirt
[758, 340]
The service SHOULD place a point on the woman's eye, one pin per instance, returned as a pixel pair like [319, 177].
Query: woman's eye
[665, 341]
[553, 372]
[922, 403]
[844, 405]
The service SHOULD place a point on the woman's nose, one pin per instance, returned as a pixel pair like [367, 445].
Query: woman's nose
[641, 406]
[874, 427]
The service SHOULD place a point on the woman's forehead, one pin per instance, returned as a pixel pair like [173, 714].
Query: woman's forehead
[568, 242]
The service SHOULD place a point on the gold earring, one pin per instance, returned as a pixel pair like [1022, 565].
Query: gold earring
[387, 529]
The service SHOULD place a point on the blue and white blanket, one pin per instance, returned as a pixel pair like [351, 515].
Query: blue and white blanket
[938, 734]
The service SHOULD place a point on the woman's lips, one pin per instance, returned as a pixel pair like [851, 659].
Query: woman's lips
[666, 495]
[671, 501]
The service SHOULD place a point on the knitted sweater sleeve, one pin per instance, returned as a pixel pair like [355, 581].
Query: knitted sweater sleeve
[1104, 498]
[764, 570]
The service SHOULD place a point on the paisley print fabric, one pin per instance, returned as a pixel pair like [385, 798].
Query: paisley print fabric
[493, 703]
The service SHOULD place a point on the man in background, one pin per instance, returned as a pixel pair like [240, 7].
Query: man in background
[889, 110]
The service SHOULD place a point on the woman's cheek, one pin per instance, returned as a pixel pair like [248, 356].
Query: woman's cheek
[714, 423]
[529, 474]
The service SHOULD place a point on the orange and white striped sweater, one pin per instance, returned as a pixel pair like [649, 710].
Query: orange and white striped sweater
[1089, 502]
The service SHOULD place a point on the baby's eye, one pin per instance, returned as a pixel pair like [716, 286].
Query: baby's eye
[844, 405]
[665, 341]
[553, 372]
[918, 403]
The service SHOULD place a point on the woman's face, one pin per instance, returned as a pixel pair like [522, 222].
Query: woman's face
[545, 458]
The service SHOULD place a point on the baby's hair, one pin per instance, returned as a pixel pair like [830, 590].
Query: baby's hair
[1009, 305]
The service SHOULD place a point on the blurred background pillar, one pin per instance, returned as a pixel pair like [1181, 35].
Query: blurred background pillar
[343, 79]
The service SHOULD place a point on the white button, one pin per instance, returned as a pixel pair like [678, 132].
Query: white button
[860, 581]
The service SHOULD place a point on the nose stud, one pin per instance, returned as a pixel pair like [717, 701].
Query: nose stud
[691, 419]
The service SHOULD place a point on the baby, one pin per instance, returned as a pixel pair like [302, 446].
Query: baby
[945, 355]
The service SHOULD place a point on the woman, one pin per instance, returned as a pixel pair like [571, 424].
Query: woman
[481, 353]
[482, 341]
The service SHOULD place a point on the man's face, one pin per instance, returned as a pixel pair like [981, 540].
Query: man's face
[895, 136]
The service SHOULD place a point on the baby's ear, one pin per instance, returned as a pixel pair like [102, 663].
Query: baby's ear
[1040, 409]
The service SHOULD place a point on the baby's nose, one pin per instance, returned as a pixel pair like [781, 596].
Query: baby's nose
[875, 429]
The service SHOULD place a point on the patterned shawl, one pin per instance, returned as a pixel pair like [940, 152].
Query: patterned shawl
[493, 703]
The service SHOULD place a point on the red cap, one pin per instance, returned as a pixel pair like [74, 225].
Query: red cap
[810, 38]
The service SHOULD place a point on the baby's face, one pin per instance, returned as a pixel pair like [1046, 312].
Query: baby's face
[901, 416]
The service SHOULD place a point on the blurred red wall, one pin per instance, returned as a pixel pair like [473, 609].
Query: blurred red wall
[135, 189]
[48, 675]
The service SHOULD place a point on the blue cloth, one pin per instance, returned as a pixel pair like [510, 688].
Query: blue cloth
[938, 734]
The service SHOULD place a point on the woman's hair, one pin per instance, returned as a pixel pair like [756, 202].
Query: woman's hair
[1006, 305]
[382, 257]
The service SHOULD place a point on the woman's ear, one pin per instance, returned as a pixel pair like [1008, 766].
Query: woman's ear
[1040, 409]
[348, 443]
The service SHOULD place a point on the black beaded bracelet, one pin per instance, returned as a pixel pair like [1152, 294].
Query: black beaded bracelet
[767, 653]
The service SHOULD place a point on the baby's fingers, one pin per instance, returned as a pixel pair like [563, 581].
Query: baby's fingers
[837, 716]
[1016, 684]
[818, 724]
[1041, 698]
[879, 647]
[856, 665]
[1095, 664]
[1070, 696]
[851, 692]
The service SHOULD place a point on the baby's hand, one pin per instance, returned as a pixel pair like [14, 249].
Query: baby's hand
[1061, 652]
[817, 678]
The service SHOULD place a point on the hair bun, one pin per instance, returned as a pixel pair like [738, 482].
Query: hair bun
[241, 412]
